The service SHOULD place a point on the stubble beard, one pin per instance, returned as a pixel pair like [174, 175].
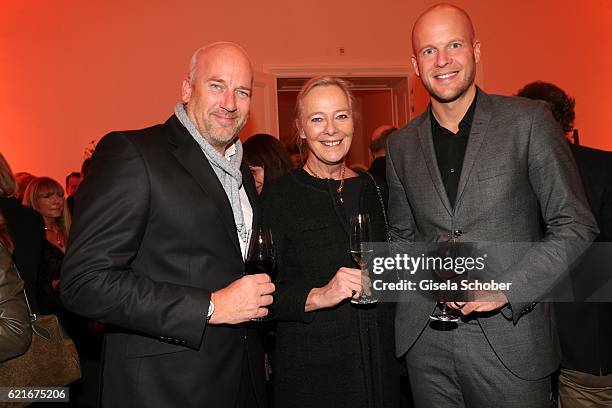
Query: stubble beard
[467, 83]
[218, 139]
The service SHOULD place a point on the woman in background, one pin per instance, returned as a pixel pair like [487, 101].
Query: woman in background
[330, 353]
[15, 329]
[46, 196]
[267, 158]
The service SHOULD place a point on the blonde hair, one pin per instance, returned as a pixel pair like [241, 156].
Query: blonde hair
[8, 186]
[317, 82]
[312, 83]
[40, 186]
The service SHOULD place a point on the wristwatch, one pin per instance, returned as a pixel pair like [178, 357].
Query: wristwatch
[211, 310]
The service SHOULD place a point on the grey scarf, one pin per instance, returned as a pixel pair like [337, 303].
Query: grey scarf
[227, 171]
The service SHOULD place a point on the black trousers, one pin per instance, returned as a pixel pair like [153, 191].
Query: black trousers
[246, 392]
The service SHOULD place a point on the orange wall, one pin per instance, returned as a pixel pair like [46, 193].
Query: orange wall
[72, 70]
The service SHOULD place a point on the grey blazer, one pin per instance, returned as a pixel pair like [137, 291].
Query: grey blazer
[518, 183]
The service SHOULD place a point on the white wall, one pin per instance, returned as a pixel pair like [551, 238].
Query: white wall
[71, 71]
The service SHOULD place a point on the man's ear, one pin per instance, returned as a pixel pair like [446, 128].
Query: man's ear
[186, 91]
[415, 65]
[476, 51]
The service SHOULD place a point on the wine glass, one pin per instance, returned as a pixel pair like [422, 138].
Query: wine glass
[441, 312]
[362, 250]
[261, 257]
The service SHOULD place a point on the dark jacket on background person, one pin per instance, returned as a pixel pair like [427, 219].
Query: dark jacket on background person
[27, 229]
[585, 327]
[378, 168]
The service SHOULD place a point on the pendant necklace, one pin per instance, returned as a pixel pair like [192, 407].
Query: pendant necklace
[339, 189]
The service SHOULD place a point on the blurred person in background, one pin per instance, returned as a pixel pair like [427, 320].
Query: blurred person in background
[267, 159]
[46, 196]
[585, 327]
[26, 229]
[72, 182]
[22, 179]
[71, 196]
[378, 148]
[15, 329]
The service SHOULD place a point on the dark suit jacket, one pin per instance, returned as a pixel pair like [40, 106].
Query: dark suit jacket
[517, 170]
[585, 328]
[378, 168]
[27, 229]
[153, 235]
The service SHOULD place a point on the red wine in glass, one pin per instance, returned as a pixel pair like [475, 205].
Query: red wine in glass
[261, 257]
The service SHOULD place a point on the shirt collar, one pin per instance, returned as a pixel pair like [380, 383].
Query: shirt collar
[466, 122]
[230, 151]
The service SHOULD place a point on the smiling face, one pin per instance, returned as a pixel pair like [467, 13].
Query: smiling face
[445, 53]
[326, 124]
[217, 95]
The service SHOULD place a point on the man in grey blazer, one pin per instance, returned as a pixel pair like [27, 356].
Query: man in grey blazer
[476, 167]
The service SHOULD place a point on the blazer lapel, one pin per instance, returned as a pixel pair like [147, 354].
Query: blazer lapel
[480, 124]
[429, 153]
[190, 156]
[251, 191]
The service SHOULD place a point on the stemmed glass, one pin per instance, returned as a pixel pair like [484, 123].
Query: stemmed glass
[261, 256]
[362, 250]
[441, 313]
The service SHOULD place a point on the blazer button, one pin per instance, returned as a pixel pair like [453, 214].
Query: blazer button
[457, 233]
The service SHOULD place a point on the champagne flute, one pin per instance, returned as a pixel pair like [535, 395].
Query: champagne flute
[261, 257]
[362, 250]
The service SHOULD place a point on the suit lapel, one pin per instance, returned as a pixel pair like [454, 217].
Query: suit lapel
[251, 191]
[480, 124]
[190, 156]
[429, 153]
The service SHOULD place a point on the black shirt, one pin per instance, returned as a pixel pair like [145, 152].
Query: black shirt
[450, 150]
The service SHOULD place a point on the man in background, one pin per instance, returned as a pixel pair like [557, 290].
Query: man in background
[378, 148]
[585, 327]
[72, 182]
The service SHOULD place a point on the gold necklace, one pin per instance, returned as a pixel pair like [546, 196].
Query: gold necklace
[339, 189]
[58, 237]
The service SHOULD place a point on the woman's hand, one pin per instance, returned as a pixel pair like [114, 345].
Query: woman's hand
[345, 284]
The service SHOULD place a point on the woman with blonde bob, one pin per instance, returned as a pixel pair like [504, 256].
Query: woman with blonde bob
[46, 196]
[330, 353]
